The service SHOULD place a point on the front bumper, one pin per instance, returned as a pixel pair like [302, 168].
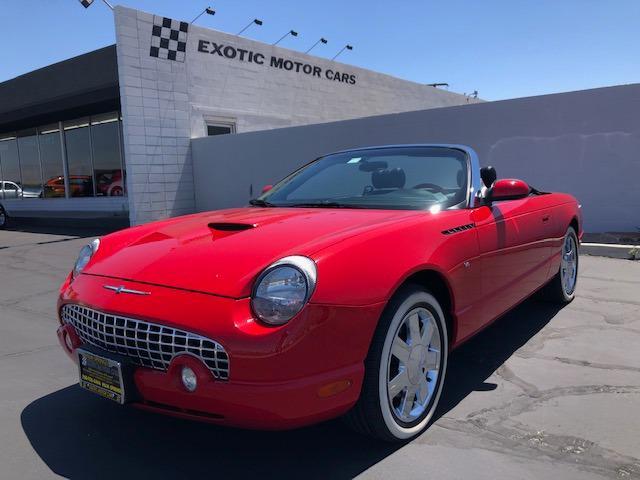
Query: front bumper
[306, 371]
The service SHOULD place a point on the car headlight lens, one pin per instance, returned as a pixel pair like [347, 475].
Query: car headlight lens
[85, 255]
[283, 289]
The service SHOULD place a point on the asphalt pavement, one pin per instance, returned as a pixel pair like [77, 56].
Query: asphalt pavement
[543, 393]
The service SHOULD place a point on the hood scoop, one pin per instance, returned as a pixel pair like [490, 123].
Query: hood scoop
[231, 227]
[224, 229]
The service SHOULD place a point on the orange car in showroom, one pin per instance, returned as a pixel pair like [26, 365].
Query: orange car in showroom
[80, 186]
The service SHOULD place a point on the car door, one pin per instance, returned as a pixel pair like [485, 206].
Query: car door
[513, 252]
[17, 190]
[537, 224]
[10, 190]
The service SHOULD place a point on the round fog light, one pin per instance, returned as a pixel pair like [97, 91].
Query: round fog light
[68, 342]
[189, 379]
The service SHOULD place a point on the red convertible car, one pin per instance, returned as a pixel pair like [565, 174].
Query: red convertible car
[338, 292]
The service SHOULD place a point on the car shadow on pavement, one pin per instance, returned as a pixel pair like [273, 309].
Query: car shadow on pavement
[81, 436]
[68, 227]
[475, 361]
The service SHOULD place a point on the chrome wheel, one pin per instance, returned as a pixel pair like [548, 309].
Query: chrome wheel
[414, 365]
[569, 264]
[405, 368]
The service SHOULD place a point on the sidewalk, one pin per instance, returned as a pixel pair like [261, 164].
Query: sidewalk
[624, 245]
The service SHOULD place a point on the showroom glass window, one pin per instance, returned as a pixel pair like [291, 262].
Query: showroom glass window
[107, 161]
[77, 138]
[32, 161]
[30, 171]
[9, 168]
[51, 161]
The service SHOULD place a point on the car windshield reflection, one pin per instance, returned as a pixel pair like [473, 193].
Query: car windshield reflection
[412, 178]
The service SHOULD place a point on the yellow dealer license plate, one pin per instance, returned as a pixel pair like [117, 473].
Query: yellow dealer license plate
[100, 375]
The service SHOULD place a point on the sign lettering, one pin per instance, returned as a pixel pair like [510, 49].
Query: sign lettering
[242, 55]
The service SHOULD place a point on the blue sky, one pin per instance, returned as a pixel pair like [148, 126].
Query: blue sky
[502, 48]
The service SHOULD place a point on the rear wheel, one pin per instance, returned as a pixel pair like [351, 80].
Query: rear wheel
[4, 218]
[117, 191]
[562, 288]
[404, 370]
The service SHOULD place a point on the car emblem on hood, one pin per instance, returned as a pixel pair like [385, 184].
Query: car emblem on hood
[120, 289]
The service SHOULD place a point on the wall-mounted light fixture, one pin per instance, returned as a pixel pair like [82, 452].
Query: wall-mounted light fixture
[254, 21]
[322, 40]
[293, 33]
[208, 11]
[346, 47]
[87, 3]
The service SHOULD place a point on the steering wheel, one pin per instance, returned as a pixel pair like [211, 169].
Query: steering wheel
[430, 186]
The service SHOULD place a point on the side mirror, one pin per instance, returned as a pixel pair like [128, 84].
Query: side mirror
[266, 188]
[508, 189]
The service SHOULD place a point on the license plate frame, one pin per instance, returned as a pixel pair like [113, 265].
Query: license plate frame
[101, 375]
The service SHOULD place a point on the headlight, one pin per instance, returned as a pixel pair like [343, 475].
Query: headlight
[85, 255]
[283, 289]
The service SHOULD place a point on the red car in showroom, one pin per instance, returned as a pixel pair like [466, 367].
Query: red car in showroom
[338, 292]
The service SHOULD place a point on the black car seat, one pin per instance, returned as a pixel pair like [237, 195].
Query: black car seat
[385, 180]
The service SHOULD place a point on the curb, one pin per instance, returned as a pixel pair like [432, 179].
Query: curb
[610, 250]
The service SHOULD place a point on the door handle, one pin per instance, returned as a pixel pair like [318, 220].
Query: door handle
[546, 218]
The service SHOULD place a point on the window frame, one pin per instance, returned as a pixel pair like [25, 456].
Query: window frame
[219, 121]
[7, 137]
[230, 126]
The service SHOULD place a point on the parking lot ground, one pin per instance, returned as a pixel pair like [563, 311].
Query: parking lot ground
[543, 393]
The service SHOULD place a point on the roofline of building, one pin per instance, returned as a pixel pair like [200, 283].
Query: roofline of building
[74, 87]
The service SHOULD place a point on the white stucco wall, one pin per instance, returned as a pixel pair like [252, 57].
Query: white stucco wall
[586, 143]
[166, 102]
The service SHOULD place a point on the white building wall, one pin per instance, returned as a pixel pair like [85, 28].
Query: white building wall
[585, 143]
[166, 102]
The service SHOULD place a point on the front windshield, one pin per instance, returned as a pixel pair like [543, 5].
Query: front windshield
[411, 178]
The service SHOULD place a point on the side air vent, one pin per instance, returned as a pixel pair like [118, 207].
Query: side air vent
[231, 227]
[461, 228]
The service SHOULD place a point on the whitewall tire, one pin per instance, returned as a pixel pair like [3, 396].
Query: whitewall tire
[405, 368]
[562, 287]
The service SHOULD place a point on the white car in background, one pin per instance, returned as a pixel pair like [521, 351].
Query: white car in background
[10, 190]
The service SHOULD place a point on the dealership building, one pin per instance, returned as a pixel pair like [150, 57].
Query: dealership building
[109, 133]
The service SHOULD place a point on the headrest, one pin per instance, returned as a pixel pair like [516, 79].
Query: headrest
[460, 178]
[488, 175]
[388, 178]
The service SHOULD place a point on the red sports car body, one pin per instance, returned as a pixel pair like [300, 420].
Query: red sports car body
[188, 316]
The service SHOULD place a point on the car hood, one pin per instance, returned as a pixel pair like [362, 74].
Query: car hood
[222, 252]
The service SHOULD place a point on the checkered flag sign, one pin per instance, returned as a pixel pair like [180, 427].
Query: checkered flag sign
[169, 39]
[86, 3]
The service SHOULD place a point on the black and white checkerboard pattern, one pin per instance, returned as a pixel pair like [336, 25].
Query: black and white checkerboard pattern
[169, 39]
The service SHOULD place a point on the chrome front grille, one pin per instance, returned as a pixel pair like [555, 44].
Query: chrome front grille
[146, 344]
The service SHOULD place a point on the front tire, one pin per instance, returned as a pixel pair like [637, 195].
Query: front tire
[562, 288]
[404, 370]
